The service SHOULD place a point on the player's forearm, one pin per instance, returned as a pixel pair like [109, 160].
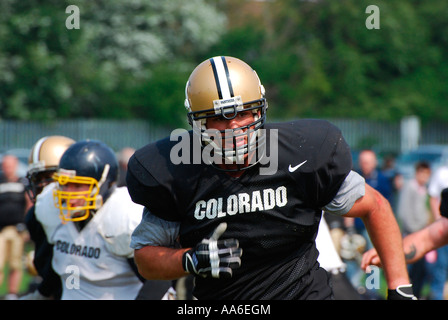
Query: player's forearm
[417, 244]
[386, 237]
[160, 263]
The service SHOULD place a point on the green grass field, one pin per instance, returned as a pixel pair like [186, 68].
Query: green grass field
[26, 280]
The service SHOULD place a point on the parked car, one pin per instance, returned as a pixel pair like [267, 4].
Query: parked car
[435, 154]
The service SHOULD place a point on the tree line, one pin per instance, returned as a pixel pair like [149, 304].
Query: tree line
[131, 59]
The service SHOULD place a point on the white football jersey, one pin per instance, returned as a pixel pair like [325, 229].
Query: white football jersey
[329, 258]
[93, 262]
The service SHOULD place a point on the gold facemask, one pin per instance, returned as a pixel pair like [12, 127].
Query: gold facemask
[62, 199]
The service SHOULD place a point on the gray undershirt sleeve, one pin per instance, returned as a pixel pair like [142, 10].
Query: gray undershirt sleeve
[351, 190]
[154, 231]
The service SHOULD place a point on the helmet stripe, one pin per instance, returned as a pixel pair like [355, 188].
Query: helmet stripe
[36, 151]
[226, 69]
[222, 79]
[215, 74]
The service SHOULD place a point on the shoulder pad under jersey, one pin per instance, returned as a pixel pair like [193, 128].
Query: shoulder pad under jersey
[119, 217]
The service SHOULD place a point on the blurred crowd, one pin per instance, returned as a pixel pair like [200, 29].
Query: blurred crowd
[415, 202]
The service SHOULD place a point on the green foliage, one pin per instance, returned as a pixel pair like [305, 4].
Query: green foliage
[110, 67]
[328, 64]
[131, 59]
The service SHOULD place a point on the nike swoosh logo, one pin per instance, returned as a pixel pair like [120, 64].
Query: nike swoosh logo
[292, 169]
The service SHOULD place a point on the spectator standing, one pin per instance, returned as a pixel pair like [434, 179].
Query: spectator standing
[395, 178]
[413, 210]
[13, 206]
[374, 177]
[414, 215]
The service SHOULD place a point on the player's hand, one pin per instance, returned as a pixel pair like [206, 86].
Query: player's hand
[369, 258]
[212, 257]
[403, 292]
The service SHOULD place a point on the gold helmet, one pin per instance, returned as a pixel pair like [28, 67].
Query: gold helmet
[43, 161]
[222, 87]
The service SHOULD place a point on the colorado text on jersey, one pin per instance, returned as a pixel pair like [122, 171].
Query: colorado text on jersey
[259, 200]
[83, 251]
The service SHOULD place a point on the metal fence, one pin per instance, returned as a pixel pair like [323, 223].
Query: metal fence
[388, 137]
[115, 133]
[361, 134]
[381, 136]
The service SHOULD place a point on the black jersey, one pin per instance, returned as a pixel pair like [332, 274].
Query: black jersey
[274, 217]
[12, 202]
[43, 253]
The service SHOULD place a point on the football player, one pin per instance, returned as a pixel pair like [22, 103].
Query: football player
[89, 222]
[242, 231]
[43, 162]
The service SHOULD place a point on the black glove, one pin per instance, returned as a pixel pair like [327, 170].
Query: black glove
[444, 203]
[212, 257]
[403, 292]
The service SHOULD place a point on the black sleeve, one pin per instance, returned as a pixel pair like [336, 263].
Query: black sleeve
[146, 190]
[43, 254]
[43, 251]
[51, 285]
